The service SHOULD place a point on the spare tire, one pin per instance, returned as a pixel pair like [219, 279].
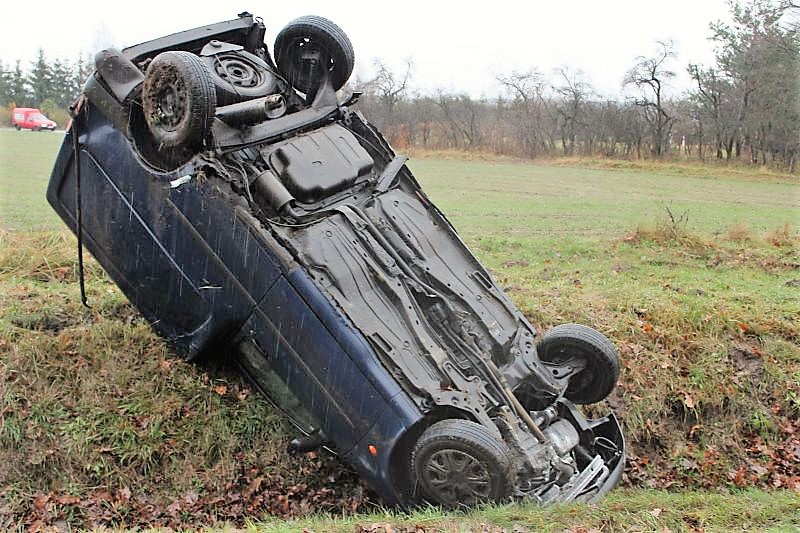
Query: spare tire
[239, 75]
[309, 44]
[178, 100]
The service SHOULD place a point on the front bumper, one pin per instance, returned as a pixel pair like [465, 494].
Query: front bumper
[615, 475]
[602, 469]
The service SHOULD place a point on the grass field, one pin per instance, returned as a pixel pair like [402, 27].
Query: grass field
[694, 273]
[26, 160]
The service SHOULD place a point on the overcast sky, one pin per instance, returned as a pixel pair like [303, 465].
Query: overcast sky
[455, 45]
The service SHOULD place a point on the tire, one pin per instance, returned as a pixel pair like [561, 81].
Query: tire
[303, 34]
[238, 76]
[575, 341]
[178, 100]
[458, 463]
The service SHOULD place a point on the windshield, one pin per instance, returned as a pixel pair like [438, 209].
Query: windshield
[38, 117]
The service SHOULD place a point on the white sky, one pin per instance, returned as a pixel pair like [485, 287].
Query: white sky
[455, 45]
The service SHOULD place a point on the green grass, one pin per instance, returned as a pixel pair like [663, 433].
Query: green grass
[531, 202]
[623, 510]
[704, 307]
[26, 160]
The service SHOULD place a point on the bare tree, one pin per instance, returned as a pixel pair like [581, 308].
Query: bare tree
[390, 86]
[527, 113]
[573, 91]
[649, 77]
[712, 100]
[462, 114]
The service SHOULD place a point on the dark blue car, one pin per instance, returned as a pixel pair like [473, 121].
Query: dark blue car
[239, 200]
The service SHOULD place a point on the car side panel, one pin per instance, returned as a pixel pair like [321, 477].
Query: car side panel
[318, 368]
[335, 374]
[185, 258]
[377, 455]
[200, 270]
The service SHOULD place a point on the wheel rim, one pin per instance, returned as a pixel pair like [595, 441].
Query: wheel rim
[302, 56]
[456, 476]
[585, 358]
[563, 364]
[309, 61]
[237, 72]
[168, 106]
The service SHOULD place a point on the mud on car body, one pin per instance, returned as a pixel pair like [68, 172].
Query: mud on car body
[240, 200]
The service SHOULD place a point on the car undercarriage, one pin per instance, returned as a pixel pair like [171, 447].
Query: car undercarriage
[239, 198]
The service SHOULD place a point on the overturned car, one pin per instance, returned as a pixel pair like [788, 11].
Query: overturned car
[238, 199]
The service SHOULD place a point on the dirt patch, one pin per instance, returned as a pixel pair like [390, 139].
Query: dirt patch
[516, 262]
[747, 360]
[51, 322]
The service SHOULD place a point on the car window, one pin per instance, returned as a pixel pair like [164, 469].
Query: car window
[256, 364]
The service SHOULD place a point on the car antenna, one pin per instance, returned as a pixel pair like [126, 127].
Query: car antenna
[74, 112]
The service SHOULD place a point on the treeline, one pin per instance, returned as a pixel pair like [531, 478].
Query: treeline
[50, 85]
[746, 106]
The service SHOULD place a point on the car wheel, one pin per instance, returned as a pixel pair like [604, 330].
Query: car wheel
[238, 76]
[308, 44]
[178, 100]
[581, 346]
[459, 463]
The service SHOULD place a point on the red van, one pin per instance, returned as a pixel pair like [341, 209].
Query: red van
[31, 118]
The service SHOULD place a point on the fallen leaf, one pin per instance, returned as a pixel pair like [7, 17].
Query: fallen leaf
[253, 487]
[739, 477]
[41, 501]
[68, 500]
[656, 512]
[688, 401]
[61, 272]
[103, 495]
